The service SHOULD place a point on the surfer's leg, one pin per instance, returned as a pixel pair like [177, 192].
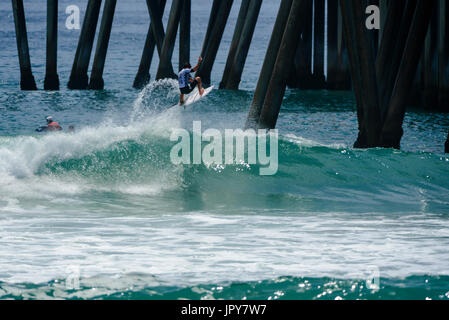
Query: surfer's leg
[181, 98]
[200, 85]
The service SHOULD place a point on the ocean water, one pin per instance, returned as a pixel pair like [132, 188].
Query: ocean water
[102, 213]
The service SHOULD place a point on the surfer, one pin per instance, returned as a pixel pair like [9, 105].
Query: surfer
[187, 83]
[51, 126]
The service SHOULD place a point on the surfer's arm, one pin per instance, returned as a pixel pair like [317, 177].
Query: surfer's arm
[195, 68]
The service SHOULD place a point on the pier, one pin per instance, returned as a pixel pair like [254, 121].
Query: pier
[403, 64]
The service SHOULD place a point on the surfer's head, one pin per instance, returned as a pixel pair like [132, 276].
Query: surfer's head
[187, 65]
[49, 119]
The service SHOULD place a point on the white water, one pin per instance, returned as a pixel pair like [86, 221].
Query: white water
[52, 224]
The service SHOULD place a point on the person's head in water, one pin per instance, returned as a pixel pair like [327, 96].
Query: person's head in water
[187, 65]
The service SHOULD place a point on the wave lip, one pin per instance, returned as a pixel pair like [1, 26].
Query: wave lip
[135, 159]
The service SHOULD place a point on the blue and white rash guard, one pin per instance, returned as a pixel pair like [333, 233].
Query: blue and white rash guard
[183, 77]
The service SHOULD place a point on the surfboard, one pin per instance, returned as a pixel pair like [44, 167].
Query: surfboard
[195, 96]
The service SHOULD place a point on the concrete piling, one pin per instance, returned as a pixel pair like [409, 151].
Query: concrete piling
[366, 50]
[392, 129]
[268, 64]
[51, 81]
[165, 69]
[338, 73]
[26, 75]
[154, 8]
[318, 78]
[332, 44]
[301, 75]
[443, 57]
[446, 145]
[343, 81]
[241, 53]
[394, 57]
[78, 77]
[143, 74]
[430, 64]
[184, 33]
[363, 69]
[156, 13]
[212, 18]
[235, 41]
[388, 36]
[383, 7]
[96, 79]
[213, 40]
[392, 47]
[278, 82]
[347, 21]
[373, 34]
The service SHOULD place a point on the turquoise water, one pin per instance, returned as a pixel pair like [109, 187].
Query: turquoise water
[103, 213]
[284, 288]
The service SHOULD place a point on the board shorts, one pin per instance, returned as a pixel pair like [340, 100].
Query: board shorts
[189, 88]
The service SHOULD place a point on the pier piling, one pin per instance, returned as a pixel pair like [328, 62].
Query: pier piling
[235, 41]
[374, 33]
[443, 58]
[430, 64]
[26, 75]
[343, 81]
[350, 40]
[446, 145]
[184, 33]
[318, 79]
[212, 18]
[78, 77]
[338, 73]
[96, 79]
[392, 129]
[51, 81]
[390, 49]
[156, 13]
[383, 7]
[143, 74]
[165, 69]
[363, 68]
[332, 44]
[300, 76]
[390, 61]
[213, 39]
[235, 74]
[284, 61]
[268, 64]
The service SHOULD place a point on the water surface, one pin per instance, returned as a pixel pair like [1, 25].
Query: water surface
[104, 205]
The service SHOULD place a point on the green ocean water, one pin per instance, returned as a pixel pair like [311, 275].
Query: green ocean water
[102, 213]
[285, 288]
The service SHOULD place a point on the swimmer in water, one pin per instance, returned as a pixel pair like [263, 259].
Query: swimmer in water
[51, 126]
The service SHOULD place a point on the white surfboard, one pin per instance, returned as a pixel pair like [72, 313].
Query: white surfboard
[195, 96]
